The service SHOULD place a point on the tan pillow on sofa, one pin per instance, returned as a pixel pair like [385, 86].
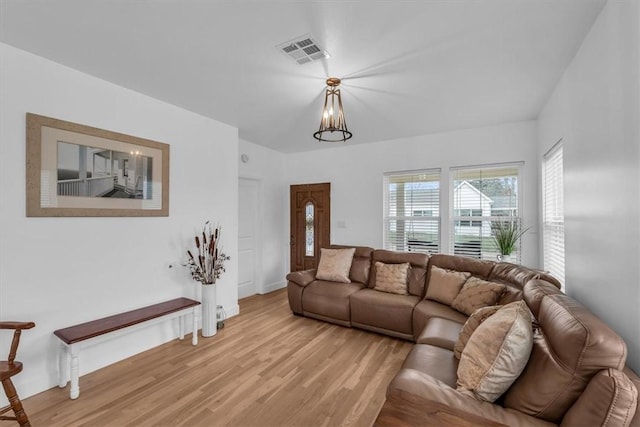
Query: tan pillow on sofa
[496, 353]
[444, 285]
[392, 278]
[477, 293]
[335, 264]
[472, 323]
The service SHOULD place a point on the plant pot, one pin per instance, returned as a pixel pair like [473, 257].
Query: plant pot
[504, 258]
[209, 311]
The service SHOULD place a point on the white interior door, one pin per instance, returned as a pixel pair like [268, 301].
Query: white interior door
[247, 237]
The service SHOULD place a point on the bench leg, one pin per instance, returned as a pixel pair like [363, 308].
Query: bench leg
[63, 366]
[181, 320]
[75, 374]
[194, 335]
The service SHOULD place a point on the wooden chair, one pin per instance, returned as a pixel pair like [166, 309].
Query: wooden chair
[10, 368]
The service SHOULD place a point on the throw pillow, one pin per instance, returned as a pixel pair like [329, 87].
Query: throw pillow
[444, 285]
[496, 353]
[477, 293]
[472, 323]
[335, 264]
[392, 278]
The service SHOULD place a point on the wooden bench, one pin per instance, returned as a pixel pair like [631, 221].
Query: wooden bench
[76, 337]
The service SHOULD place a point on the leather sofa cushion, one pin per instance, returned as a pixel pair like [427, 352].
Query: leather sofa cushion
[383, 310]
[609, 400]
[440, 332]
[570, 346]
[417, 272]
[476, 267]
[427, 309]
[518, 275]
[436, 362]
[361, 263]
[534, 292]
[428, 387]
[329, 299]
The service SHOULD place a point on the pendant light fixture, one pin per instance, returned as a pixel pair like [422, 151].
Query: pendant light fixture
[333, 127]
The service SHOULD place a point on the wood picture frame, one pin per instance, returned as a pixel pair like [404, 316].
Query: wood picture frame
[79, 171]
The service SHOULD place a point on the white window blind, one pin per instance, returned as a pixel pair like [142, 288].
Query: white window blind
[483, 197]
[553, 212]
[412, 211]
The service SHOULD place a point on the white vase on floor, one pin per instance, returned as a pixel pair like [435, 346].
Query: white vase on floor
[209, 310]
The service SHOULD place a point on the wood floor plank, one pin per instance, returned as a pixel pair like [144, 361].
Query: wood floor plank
[265, 368]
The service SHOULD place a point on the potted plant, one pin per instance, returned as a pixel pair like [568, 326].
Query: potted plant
[206, 266]
[506, 234]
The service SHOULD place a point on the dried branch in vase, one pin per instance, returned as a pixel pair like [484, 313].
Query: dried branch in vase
[208, 264]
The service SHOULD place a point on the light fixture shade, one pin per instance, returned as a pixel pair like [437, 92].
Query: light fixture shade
[333, 126]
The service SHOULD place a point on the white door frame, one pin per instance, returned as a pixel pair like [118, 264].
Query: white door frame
[258, 280]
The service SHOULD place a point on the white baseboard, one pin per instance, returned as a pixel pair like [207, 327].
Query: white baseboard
[273, 287]
[233, 311]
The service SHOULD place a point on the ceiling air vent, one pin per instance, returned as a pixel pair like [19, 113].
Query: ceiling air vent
[303, 49]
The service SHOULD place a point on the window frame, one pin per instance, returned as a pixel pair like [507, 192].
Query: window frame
[435, 216]
[556, 227]
[478, 222]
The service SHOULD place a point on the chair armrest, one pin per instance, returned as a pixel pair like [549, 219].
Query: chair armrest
[302, 278]
[17, 325]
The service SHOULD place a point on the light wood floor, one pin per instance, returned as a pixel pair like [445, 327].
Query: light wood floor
[265, 368]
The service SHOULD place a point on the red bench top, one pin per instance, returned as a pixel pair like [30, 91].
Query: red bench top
[84, 331]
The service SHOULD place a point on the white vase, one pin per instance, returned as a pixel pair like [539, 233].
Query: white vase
[504, 258]
[209, 310]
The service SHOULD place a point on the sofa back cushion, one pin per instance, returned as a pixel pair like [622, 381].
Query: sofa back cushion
[569, 347]
[361, 264]
[417, 272]
[477, 268]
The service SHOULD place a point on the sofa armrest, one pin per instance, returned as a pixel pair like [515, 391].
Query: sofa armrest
[302, 278]
[427, 387]
[610, 399]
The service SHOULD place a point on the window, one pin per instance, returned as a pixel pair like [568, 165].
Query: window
[468, 212]
[553, 212]
[412, 211]
[309, 216]
[482, 198]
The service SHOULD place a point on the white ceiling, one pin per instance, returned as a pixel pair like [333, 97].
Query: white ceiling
[408, 67]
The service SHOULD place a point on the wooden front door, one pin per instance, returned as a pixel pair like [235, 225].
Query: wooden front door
[310, 223]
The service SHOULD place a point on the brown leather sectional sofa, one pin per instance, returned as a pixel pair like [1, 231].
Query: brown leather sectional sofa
[575, 376]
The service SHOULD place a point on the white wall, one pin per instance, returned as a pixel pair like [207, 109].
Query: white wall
[268, 168]
[63, 271]
[594, 109]
[356, 176]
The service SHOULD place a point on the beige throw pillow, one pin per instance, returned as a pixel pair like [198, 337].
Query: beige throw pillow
[496, 353]
[472, 323]
[335, 264]
[444, 285]
[477, 293]
[392, 278]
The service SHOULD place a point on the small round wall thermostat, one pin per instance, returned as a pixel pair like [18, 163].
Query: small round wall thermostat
[244, 158]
